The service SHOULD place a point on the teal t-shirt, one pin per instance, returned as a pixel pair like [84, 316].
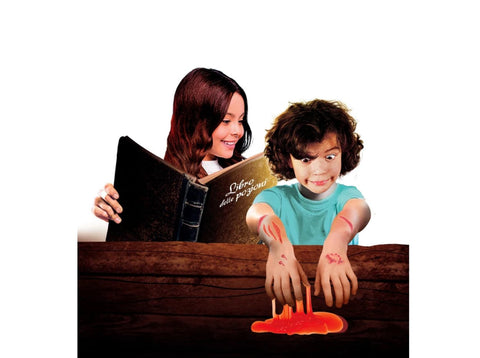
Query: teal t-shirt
[306, 221]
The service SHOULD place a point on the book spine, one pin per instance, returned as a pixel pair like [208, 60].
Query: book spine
[194, 196]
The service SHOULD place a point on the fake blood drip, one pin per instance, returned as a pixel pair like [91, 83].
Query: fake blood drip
[299, 322]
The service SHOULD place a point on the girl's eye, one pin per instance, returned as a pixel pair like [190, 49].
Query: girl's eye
[228, 121]
[331, 156]
[305, 160]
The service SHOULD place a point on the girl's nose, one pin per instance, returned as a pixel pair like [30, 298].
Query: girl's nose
[236, 129]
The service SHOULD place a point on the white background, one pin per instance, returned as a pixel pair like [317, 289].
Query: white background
[75, 76]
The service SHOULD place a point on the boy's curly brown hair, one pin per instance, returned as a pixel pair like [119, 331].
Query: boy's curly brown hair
[304, 123]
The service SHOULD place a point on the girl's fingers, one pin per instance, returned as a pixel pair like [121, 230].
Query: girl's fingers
[104, 211]
[110, 190]
[101, 214]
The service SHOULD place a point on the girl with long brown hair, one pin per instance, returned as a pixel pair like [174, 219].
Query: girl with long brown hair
[209, 131]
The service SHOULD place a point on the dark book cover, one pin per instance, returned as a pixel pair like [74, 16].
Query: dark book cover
[162, 203]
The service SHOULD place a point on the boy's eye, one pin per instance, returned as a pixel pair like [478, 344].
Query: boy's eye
[305, 160]
[331, 156]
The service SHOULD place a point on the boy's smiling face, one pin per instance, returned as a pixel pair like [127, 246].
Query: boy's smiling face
[320, 169]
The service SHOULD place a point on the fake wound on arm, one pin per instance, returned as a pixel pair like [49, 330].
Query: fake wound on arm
[272, 228]
[352, 219]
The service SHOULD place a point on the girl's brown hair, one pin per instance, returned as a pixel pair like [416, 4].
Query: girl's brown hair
[200, 104]
[305, 123]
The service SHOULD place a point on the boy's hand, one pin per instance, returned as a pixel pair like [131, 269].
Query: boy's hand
[284, 274]
[334, 269]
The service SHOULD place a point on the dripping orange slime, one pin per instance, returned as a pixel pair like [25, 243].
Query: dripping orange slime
[299, 322]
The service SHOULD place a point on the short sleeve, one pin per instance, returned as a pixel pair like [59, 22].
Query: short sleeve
[347, 193]
[271, 197]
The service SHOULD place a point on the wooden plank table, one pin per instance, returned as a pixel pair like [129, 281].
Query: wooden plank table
[158, 299]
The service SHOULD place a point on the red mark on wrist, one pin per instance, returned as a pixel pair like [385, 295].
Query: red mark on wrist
[347, 221]
[334, 259]
[281, 263]
[284, 257]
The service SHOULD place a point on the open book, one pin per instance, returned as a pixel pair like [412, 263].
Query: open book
[162, 203]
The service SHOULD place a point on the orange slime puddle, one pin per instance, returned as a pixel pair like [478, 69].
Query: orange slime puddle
[299, 322]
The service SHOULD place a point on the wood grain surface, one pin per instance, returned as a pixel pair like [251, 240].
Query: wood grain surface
[147, 299]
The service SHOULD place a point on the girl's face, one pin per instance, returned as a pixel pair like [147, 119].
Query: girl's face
[321, 168]
[227, 134]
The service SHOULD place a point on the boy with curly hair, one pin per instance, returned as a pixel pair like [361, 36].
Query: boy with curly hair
[314, 142]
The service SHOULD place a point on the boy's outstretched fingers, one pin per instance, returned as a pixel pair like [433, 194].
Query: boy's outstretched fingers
[285, 294]
[339, 291]
[346, 289]
[316, 286]
[297, 287]
[353, 280]
[324, 284]
[268, 287]
[298, 281]
[303, 276]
